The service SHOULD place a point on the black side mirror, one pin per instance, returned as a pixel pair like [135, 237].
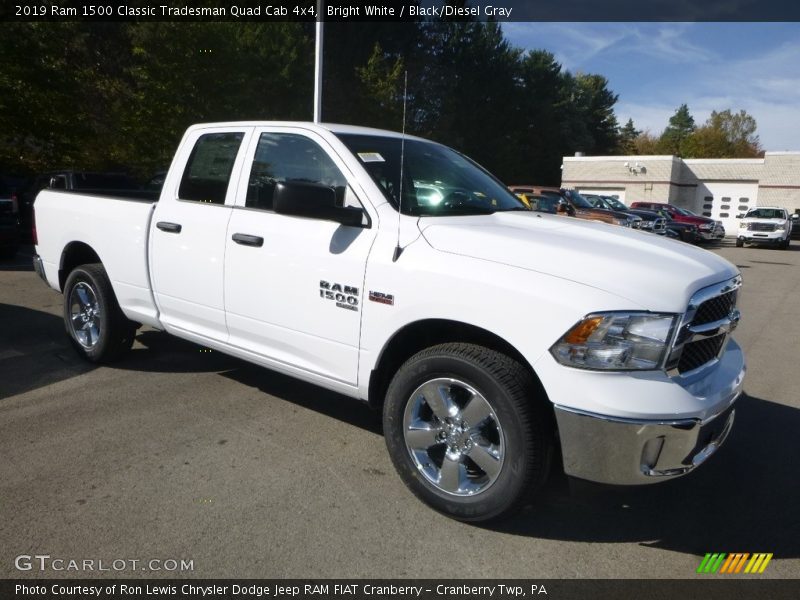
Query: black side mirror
[313, 201]
[740, 216]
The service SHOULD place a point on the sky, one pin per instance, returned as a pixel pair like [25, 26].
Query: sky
[656, 67]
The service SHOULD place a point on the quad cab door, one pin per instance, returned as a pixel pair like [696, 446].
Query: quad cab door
[294, 285]
[187, 239]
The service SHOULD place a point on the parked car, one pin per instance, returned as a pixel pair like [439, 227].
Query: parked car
[708, 229]
[549, 204]
[765, 225]
[582, 208]
[543, 203]
[295, 246]
[686, 232]
[795, 226]
[650, 221]
[9, 222]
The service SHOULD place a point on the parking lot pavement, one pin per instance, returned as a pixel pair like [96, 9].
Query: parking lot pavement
[179, 453]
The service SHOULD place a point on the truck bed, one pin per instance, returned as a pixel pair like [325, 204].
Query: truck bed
[116, 228]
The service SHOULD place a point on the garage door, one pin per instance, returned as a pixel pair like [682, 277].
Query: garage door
[723, 201]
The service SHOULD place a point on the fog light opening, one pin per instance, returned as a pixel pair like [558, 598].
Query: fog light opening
[651, 453]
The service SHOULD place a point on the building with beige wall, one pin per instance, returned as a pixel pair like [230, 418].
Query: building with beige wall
[719, 188]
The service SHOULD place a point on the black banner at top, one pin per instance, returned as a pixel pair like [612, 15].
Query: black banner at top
[403, 10]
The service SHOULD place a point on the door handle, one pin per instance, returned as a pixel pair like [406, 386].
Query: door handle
[169, 227]
[248, 240]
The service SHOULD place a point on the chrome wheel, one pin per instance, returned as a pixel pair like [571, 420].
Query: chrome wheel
[84, 315]
[454, 437]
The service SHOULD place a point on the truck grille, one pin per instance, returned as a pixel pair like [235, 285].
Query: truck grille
[761, 226]
[696, 354]
[715, 309]
[708, 321]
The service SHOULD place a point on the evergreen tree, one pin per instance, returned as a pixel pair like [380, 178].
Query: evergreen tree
[627, 138]
[681, 125]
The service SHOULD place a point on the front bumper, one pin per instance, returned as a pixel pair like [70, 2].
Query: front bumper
[763, 237]
[708, 235]
[629, 450]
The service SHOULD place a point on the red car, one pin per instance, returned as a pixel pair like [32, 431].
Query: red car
[709, 229]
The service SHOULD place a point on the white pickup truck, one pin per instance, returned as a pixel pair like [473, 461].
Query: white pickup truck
[765, 225]
[397, 271]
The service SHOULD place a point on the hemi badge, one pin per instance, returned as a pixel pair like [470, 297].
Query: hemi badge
[381, 298]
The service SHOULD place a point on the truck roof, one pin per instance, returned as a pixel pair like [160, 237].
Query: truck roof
[331, 127]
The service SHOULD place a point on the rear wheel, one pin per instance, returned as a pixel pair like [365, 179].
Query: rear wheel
[466, 431]
[96, 326]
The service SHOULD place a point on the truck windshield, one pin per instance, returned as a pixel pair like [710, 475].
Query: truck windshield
[577, 200]
[436, 180]
[615, 204]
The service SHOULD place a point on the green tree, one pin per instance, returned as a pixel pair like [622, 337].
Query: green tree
[627, 138]
[596, 109]
[681, 125]
[383, 83]
[646, 144]
[725, 135]
[467, 91]
[540, 139]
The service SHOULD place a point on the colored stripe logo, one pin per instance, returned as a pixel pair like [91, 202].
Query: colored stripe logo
[739, 562]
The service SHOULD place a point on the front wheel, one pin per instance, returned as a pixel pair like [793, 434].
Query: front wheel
[96, 326]
[467, 432]
[739, 242]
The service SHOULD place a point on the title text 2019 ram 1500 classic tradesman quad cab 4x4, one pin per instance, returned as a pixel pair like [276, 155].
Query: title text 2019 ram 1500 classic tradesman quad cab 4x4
[311, 250]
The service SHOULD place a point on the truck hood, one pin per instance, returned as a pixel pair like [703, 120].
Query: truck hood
[657, 274]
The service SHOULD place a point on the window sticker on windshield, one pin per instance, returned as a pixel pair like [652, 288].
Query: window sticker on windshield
[370, 157]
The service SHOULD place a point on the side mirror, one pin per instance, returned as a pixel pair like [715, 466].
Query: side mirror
[740, 216]
[313, 201]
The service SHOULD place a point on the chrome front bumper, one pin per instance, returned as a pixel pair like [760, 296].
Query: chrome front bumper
[628, 451]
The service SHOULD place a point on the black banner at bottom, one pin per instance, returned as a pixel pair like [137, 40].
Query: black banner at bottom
[425, 589]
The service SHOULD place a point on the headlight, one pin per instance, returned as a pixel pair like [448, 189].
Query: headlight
[780, 226]
[616, 341]
[742, 225]
[623, 222]
[706, 226]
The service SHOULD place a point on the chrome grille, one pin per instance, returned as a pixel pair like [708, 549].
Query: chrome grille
[715, 309]
[761, 226]
[696, 354]
[702, 335]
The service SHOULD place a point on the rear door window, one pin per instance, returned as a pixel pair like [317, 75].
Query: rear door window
[209, 168]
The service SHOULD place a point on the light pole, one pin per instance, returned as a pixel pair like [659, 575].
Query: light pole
[318, 65]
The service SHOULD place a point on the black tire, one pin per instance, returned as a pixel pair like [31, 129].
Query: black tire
[97, 328]
[785, 244]
[739, 242]
[518, 427]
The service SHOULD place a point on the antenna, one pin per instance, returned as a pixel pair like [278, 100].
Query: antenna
[397, 249]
